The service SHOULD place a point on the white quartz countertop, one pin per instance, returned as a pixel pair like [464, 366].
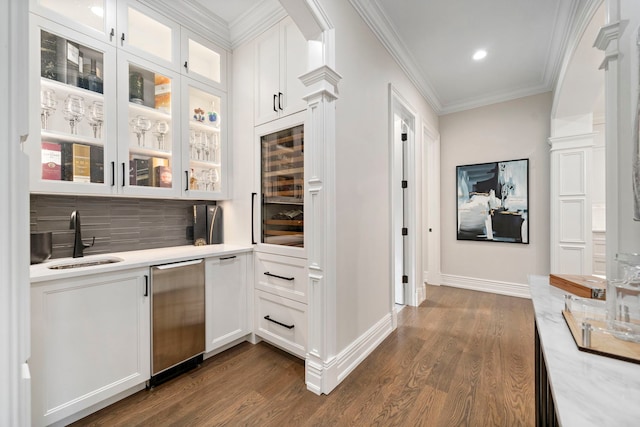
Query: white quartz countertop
[588, 389]
[132, 259]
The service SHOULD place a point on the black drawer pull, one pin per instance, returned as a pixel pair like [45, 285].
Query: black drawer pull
[266, 273]
[278, 323]
[227, 257]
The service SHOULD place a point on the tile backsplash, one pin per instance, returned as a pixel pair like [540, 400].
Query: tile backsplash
[118, 224]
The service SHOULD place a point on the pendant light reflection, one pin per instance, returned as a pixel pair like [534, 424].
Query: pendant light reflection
[479, 54]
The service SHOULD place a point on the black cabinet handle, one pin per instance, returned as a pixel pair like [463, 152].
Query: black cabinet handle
[253, 202]
[124, 173]
[186, 66]
[278, 323]
[113, 174]
[146, 285]
[228, 257]
[274, 102]
[122, 40]
[266, 273]
[280, 100]
[186, 184]
[111, 34]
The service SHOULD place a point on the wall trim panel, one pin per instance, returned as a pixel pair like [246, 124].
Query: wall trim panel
[520, 290]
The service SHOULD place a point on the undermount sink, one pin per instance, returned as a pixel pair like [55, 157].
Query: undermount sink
[84, 263]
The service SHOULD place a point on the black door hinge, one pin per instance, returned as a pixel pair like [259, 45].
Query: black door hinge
[405, 278]
[404, 137]
[405, 184]
[405, 231]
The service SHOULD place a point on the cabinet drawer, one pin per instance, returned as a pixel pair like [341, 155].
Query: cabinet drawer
[282, 322]
[281, 275]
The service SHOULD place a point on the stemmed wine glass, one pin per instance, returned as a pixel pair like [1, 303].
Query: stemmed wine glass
[207, 146]
[215, 149]
[96, 118]
[48, 103]
[141, 125]
[74, 111]
[160, 129]
[213, 178]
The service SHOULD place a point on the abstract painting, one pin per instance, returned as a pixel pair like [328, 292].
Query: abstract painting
[493, 201]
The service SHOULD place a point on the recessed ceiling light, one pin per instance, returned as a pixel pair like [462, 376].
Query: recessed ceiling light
[97, 10]
[479, 54]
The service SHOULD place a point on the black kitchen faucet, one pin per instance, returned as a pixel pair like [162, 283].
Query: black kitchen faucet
[78, 245]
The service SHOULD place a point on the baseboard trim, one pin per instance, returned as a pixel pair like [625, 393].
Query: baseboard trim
[494, 286]
[349, 358]
[323, 377]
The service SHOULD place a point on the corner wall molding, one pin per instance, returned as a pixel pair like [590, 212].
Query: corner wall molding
[520, 290]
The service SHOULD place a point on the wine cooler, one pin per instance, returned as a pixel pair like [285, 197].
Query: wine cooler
[282, 186]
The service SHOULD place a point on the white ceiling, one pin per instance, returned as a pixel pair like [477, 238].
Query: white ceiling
[433, 41]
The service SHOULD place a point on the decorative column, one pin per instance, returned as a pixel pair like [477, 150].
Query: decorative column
[607, 41]
[320, 227]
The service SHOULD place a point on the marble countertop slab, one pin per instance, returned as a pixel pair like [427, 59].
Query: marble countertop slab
[132, 259]
[588, 389]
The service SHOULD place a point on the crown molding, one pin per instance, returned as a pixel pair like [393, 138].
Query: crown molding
[562, 38]
[193, 16]
[607, 34]
[495, 98]
[230, 35]
[374, 17]
[255, 21]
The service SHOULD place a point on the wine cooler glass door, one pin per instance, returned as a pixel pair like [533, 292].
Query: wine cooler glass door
[283, 187]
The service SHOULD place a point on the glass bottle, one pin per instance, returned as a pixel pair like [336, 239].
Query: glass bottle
[94, 83]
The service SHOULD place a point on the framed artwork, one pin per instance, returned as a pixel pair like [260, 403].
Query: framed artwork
[493, 201]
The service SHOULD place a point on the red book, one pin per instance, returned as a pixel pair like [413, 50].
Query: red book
[51, 161]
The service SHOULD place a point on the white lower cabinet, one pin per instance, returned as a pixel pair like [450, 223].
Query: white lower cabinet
[282, 322]
[280, 309]
[90, 341]
[226, 300]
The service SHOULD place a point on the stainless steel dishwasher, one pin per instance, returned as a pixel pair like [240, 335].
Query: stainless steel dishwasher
[178, 322]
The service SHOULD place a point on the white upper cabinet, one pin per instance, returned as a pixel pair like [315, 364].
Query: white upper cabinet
[142, 113]
[96, 18]
[281, 57]
[203, 60]
[148, 34]
[73, 108]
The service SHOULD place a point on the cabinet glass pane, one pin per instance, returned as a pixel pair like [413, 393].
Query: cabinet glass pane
[283, 187]
[205, 149]
[71, 110]
[204, 61]
[84, 12]
[149, 35]
[150, 128]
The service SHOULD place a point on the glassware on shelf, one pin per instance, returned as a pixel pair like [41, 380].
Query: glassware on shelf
[207, 145]
[96, 118]
[48, 103]
[213, 178]
[160, 129]
[141, 125]
[74, 111]
[215, 148]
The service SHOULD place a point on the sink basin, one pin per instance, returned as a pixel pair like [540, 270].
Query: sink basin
[84, 263]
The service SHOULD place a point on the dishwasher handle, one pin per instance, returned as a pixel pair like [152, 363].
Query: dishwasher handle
[178, 264]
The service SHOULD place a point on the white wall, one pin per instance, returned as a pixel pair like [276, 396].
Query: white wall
[510, 130]
[362, 177]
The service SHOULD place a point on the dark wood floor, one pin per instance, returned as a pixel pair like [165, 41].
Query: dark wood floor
[462, 358]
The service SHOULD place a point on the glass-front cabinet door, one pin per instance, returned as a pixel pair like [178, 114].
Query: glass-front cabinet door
[203, 60]
[205, 155]
[148, 141]
[148, 34]
[282, 186]
[74, 97]
[96, 18]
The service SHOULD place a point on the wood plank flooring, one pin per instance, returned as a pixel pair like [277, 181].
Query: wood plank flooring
[463, 358]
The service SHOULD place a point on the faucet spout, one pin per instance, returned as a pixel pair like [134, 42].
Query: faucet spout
[78, 245]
